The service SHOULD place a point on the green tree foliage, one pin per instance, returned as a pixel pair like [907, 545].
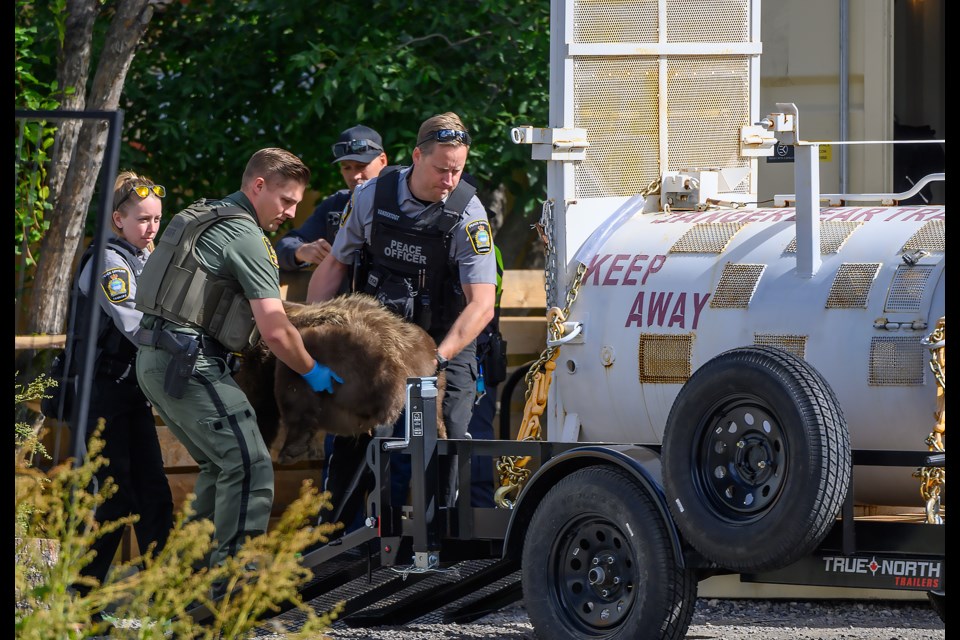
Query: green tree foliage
[215, 80]
[35, 88]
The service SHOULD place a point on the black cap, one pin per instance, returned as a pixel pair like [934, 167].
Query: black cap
[366, 145]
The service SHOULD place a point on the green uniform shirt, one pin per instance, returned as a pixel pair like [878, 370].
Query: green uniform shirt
[238, 249]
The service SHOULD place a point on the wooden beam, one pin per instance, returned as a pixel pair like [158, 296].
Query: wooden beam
[40, 342]
[525, 336]
[523, 289]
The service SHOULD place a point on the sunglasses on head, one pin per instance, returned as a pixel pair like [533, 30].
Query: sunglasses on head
[143, 191]
[447, 135]
[341, 149]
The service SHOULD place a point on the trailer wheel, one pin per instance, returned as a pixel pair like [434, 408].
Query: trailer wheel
[597, 563]
[756, 459]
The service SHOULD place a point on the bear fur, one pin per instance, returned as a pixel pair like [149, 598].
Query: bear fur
[372, 349]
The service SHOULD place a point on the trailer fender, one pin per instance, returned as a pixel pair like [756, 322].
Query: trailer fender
[643, 464]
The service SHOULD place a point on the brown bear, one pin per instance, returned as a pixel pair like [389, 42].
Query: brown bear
[371, 348]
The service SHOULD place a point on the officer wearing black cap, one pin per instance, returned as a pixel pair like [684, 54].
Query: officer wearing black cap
[429, 258]
[360, 154]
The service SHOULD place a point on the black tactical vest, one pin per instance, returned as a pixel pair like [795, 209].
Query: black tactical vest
[115, 352]
[409, 269]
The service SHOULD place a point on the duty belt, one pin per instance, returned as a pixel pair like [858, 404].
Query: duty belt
[174, 342]
[185, 350]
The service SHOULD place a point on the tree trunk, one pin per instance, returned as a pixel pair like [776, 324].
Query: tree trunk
[80, 163]
[73, 68]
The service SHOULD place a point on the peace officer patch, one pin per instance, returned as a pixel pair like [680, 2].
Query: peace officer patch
[271, 252]
[480, 237]
[116, 284]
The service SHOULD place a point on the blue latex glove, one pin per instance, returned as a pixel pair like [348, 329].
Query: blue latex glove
[321, 378]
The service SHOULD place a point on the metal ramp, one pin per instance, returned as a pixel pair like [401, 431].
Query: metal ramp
[394, 596]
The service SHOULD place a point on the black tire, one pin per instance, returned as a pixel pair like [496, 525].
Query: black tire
[597, 563]
[756, 459]
[938, 600]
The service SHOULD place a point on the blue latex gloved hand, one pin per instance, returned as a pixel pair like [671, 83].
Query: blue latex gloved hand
[321, 378]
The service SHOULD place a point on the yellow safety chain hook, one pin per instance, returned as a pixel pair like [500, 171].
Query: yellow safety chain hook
[933, 479]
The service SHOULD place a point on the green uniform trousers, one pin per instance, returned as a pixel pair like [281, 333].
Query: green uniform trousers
[216, 424]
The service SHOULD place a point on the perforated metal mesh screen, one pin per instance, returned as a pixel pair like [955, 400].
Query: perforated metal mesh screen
[833, 235]
[616, 98]
[609, 21]
[705, 21]
[737, 286]
[705, 134]
[707, 237]
[797, 345]
[617, 105]
[636, 21]
[665, 358]
[896, 361]
[930, 237]
[906, 290]
[851, 286]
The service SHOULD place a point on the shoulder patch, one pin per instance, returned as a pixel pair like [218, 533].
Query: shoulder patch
[115, 283]
[271, 252]
[480, 237]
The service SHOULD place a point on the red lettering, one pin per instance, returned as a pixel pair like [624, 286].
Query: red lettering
[839, 216]
[829, 211]
[866, 215]
[920, 214]
[594, 268]
[687, 217]
[677, 315]
[657, 305]
[776, 215]
[698, 305]
[636, 311]
[655, 265]
[657, 309]
[633, 267]
[615, 267]
[735, 216]
[754, 216]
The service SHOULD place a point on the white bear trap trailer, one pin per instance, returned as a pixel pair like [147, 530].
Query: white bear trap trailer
[727, 388]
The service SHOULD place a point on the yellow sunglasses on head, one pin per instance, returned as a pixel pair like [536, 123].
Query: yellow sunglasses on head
[143, 191]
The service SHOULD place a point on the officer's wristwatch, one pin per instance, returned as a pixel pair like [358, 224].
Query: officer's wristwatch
[441, 362]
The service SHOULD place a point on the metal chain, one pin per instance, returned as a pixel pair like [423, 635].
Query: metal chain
[547, 234]
[932, 479]
[512, 469]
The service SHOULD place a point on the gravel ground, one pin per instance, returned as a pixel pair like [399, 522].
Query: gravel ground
[715, 619]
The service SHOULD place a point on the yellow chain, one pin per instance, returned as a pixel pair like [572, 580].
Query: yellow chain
[932, 479]
[512, 469]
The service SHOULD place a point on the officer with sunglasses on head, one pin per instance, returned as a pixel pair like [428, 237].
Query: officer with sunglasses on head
[428, 256]
[360, 155]
[130, 443]
[359, 152]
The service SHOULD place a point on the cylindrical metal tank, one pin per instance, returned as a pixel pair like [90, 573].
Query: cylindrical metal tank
[665, 292]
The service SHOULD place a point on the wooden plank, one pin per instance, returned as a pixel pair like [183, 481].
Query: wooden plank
[51, 341]
[523, 289]
[524, 335]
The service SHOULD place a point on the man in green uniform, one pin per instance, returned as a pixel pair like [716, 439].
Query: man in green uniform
[211, 289]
